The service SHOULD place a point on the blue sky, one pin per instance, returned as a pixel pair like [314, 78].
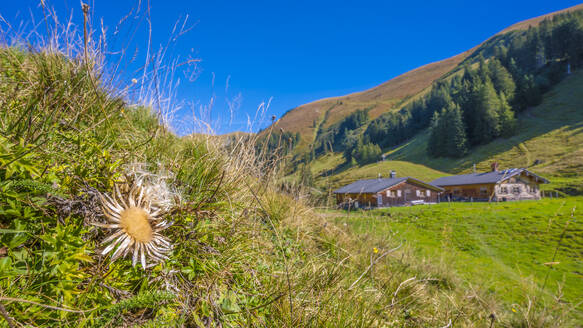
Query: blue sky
[289, 53]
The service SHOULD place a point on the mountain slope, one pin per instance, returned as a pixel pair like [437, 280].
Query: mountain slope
[309, 118]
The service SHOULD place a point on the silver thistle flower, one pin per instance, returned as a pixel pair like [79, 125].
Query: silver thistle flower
[137, 218]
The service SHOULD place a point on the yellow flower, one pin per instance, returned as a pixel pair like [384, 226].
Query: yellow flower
[375, 250]
[514, 310]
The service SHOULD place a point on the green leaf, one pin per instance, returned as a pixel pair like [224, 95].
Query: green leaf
[229, 303]
[12, 231]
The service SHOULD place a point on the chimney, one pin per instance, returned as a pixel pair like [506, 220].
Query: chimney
[494, 167]
[393, 174]
[380, 176]
[474, 167]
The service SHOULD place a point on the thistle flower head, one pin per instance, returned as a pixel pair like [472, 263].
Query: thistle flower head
[135, 212]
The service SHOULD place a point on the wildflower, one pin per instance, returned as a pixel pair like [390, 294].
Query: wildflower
[134, 81]
[514, 310]
[136, 216]
[375, 250]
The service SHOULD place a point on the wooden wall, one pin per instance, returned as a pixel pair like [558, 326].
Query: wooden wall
[477, 191]
[407, 197]
[408, 194]
[527, 186]
[364, 200]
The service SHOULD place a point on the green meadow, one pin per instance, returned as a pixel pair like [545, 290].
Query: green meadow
[514, 250]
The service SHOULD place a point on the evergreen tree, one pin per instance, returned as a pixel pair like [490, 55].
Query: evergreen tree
[439, 97]
[501, 78]
[350, 144]
[457, 144]
[501, 53]
[435, 136]
[506, 117]
[486, 121]
[448, 134]
[483, 70]
[367, 153]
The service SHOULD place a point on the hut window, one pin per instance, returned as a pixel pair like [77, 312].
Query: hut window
[483, 191]
[516, 189]
[427, 193]
[456, 191]
[418, 193]
[399, 193]
[504, 190]
[390, 193]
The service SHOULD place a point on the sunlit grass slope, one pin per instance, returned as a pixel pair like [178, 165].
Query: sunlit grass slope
[330, 171]
[503, 247]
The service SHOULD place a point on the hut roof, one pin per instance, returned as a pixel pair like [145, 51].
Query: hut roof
[483, 178]
[376, 185]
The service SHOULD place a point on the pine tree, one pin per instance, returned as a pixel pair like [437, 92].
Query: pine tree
[501, 53]
[350, 143]
[458, 142]
[448, 133]
[483, 70]
[486, 121]
[439, 97]
[433, 145]
[502, 79]
[506, 117]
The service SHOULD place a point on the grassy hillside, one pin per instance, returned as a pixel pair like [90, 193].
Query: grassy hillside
[505, 248]
[330, 171]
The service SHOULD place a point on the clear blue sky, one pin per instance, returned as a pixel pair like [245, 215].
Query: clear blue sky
[294, 52]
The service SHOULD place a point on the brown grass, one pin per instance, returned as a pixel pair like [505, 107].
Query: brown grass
[525, 24]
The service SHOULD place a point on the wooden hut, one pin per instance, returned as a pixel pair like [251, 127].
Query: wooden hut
[505, 185]
[387, 192]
